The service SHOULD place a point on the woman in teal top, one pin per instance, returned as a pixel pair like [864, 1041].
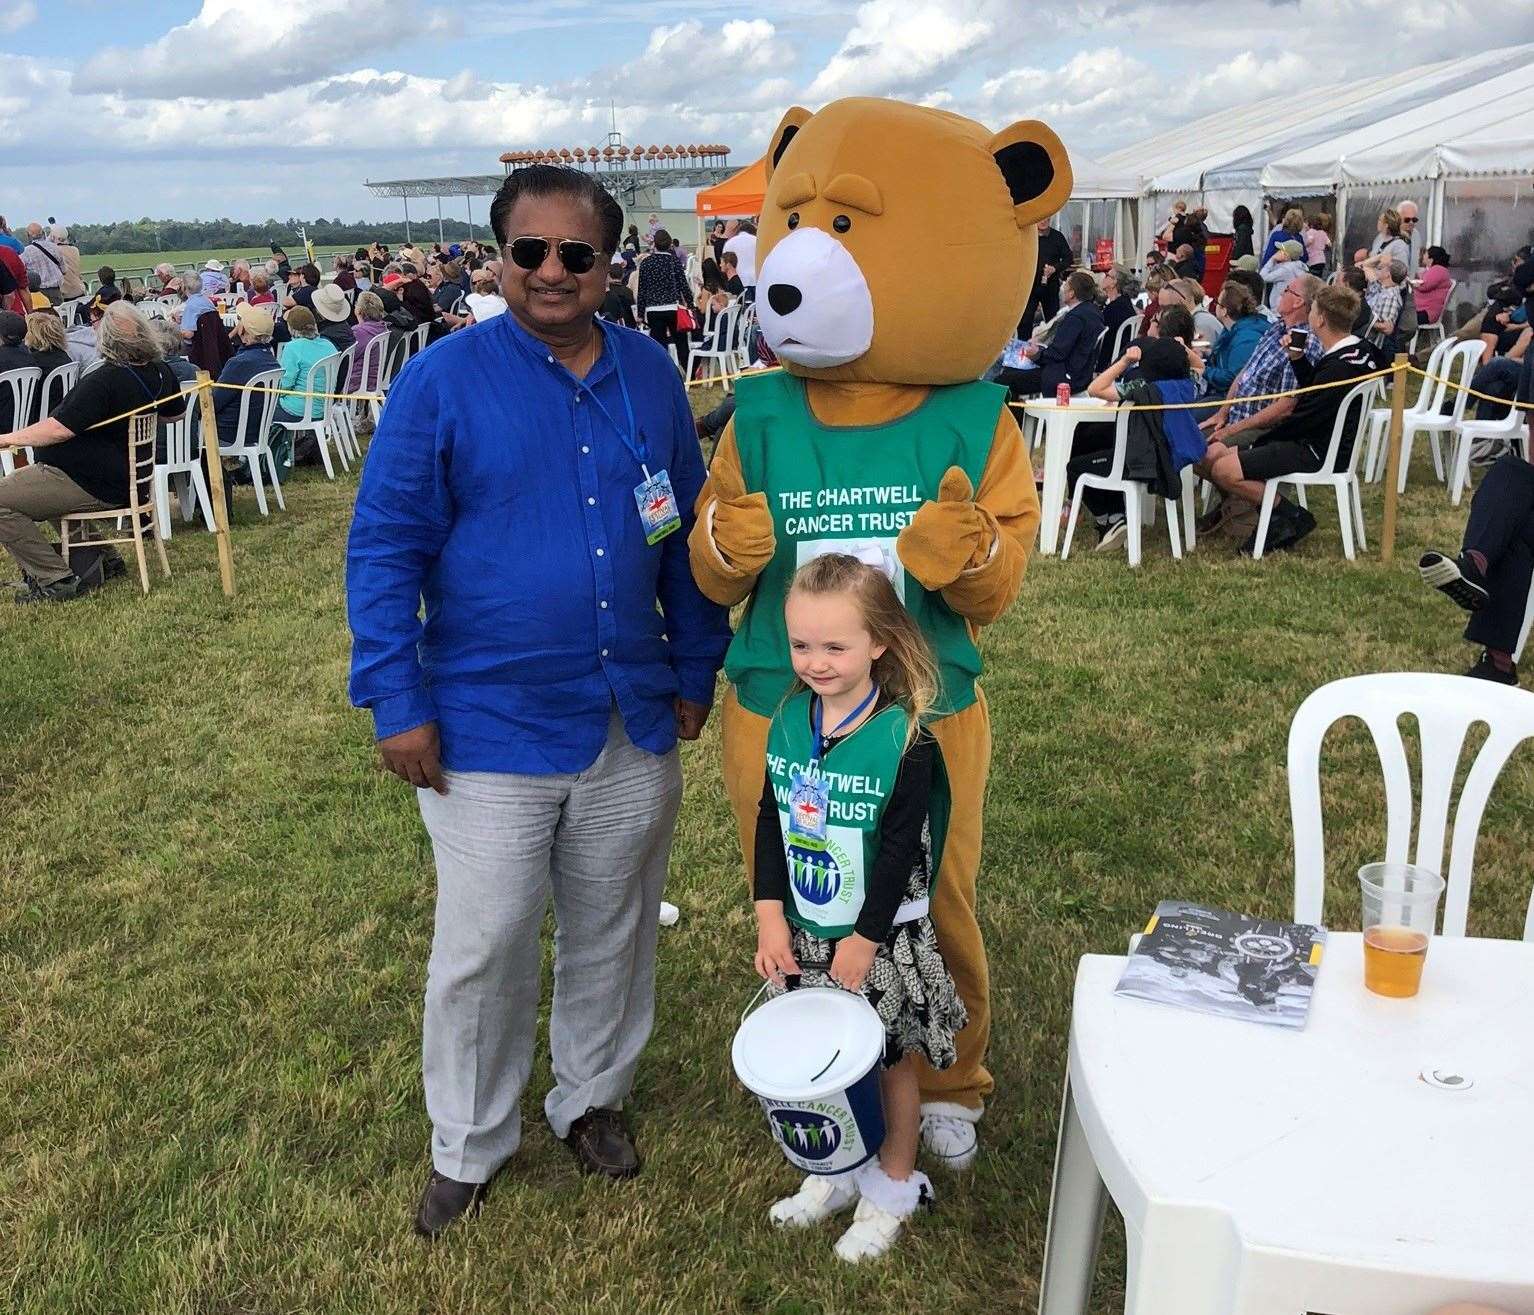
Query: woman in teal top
[298, 359]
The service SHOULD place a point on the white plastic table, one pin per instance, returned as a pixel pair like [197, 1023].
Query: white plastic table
[1275, 1171]
[1059, 426]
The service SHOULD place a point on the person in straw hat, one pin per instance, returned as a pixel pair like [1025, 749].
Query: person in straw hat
[333, 312]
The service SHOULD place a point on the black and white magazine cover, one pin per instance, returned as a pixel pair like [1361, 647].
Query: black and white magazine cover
[1218, 962]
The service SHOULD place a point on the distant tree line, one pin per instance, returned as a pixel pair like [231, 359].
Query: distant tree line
[199, 234]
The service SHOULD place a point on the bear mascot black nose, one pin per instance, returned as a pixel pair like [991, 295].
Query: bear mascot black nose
[784, 298]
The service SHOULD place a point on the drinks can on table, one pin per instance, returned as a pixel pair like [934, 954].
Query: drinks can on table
[1063, 395]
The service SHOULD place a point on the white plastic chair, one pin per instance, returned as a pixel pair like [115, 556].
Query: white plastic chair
[1435, 326]
[1445, 708]
[392, 357]
[1343, 479]
[255, 447]
[183, 457]
[744, 327]
[22, 384]
[1121, 337]
[322, 379]
[1136, 498]
[1514, 427]
[1428, 414]
[55, 387]
[719, 362]
[343, 426]
[1430, 399]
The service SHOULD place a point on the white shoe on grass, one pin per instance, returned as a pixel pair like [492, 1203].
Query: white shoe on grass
[950, 1137]
[886, 1205]
[819, 1197]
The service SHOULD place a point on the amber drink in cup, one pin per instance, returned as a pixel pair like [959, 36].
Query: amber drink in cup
[1400, 912]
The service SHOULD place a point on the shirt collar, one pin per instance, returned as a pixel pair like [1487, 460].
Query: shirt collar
[523, 341]
[1345, 342]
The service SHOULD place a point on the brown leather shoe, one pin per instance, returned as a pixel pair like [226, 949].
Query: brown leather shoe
[603, 1145]
[445, 1200]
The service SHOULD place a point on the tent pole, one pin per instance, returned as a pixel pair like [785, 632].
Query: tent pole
[1435, 213]
[440, 241]
[406, 200]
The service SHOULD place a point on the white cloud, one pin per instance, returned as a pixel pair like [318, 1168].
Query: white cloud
[249, 47]
[16, 14]
[900, 46]
[668, 69]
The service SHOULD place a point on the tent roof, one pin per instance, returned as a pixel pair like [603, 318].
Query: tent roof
[1093, 180]
[740, 194]
[1233, 147]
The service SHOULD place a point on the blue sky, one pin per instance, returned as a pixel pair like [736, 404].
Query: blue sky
[257, 108]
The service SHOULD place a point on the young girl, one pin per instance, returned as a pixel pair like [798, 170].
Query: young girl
[848, 841]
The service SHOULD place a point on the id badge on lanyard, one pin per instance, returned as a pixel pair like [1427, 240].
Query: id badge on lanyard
[657, 506]
[809, 801]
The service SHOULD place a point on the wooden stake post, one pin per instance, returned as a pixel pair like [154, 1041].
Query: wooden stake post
[216, 483]
[1393, 464]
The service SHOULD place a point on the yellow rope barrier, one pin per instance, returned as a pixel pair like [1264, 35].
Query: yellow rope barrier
[1465, 388]
[1044, 404]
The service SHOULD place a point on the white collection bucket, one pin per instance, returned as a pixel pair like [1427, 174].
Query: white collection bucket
[811, 1056]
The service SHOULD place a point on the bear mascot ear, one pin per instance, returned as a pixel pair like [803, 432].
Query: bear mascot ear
[794, 119]
[1035, 167]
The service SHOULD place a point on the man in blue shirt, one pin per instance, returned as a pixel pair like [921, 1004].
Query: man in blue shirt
[532, 481]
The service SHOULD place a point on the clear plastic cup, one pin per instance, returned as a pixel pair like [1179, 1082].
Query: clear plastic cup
[1400, 914]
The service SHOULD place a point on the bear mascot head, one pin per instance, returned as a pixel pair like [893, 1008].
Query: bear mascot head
[897, 243]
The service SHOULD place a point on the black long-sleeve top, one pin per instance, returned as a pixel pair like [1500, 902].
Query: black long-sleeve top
[899, 849]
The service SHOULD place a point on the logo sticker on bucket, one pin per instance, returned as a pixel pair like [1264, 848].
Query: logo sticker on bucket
[814, 1136]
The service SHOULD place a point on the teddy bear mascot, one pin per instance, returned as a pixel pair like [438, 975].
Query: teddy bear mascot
[896, 250]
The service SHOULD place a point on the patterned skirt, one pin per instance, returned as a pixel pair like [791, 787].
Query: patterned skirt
[907, 984]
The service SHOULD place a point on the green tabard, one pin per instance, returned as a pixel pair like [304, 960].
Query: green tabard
[852, 490]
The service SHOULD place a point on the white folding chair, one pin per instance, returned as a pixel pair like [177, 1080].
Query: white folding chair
[1137, 498]
[1514, 427]
[391, 357]
[1121, 337]
[22, 384]
[322, 379]
[183, 458]
[1435, 326]
[253, 444]
[1427, 413]
[343, 425]
[745, 326]
[1445, 708]
[719, 327]
[1343, 478]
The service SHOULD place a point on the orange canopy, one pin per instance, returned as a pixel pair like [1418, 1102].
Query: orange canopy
[740, 194]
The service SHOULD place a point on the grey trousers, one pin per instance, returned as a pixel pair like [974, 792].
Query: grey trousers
[599, 841]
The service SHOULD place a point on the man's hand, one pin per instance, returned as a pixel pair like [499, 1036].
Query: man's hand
[944, 537]
[853, 958]
[690, 719]
[774, 943]
[1049, 271]
[415, 756]
[742, 526]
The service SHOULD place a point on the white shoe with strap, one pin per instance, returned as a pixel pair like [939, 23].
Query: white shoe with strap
[949, 1135]
[883, 1211]
[819, 1197]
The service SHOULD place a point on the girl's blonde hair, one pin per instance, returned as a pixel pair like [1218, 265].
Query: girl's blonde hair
[906, 670]
[45, 332]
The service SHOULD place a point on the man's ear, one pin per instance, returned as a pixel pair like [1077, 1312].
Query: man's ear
[1035, 167]
[794, 119]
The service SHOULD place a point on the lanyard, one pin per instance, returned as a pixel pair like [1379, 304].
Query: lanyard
[843, 723]
[632, 439]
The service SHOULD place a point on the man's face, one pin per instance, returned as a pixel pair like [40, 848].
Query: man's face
[1043, 227]
[550, 300]
[1291, 306]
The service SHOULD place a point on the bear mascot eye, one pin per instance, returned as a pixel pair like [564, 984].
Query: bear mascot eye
[841, 223]
[793, 220]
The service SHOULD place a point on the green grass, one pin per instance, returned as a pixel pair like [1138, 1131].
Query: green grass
[216, 916]
[126, 260]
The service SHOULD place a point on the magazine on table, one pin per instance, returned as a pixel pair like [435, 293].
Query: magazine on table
[1218, 962]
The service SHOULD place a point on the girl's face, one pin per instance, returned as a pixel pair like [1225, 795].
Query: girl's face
[828, 642]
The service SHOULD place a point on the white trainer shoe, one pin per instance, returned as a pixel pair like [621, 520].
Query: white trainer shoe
[950, 1140]
[818, 1198]
[872, 1234]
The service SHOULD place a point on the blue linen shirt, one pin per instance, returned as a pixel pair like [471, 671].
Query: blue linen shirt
[499, 489]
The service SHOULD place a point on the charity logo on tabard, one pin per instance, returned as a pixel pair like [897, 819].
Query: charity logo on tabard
[808, 1134]
[815, 873]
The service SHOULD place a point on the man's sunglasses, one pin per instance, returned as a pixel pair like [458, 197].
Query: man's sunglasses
[530, 252]
[1410, 219]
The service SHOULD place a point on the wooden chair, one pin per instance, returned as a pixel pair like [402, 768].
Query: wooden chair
[139, 513]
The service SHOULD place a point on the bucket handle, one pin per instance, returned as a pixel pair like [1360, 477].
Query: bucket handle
[751, 1004]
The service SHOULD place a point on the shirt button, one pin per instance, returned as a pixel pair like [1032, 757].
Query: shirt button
[551, 360]
[601, 553]
[604, 652]
[577, 397]
[591, 502]
[604, 604]
[584, 448]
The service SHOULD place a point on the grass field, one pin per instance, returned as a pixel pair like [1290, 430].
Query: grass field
[216, 916]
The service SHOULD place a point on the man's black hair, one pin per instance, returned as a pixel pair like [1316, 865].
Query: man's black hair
[1176, 322]
[537, 180]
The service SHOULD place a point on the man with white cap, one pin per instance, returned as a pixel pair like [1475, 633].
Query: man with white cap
[252, 336]
[334, 313]
[213, 280]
